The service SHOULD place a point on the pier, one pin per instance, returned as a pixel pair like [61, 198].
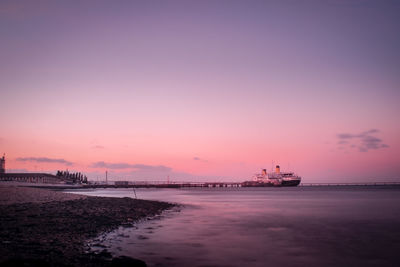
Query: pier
[353, 184]
[162, 184]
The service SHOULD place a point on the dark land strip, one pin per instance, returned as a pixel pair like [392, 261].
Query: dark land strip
[56, 233]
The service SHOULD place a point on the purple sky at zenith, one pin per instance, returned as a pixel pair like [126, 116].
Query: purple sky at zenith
[202, 90]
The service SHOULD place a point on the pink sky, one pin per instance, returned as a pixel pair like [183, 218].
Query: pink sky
[201, 90]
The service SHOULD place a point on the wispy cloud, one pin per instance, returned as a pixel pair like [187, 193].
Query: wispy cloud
[124, 165]
[363, 141]
[45, 160]
[98, 147]
[199, 159]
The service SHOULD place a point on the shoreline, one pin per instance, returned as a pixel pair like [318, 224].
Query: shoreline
[52, 228]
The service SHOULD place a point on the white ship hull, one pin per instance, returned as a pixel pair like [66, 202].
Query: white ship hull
[276, 178]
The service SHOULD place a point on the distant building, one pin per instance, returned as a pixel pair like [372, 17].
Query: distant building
[45, 178]
[3, 164]
[27, 177]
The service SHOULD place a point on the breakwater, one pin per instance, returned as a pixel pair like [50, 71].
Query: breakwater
[158, 184]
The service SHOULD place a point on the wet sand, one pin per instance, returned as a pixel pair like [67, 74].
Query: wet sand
[41, 227]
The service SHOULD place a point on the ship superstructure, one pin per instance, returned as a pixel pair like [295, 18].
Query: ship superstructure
[276, 178]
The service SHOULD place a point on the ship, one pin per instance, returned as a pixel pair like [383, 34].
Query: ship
[276, 178]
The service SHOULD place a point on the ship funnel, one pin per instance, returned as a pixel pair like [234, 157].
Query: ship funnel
[277, 169]
[264, 171]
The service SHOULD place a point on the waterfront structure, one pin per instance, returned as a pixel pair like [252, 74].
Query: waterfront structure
[3, 164]
[72, 178]
[46, 178]
[121, 183]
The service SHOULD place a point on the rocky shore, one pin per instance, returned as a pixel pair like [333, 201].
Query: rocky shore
[44, 228]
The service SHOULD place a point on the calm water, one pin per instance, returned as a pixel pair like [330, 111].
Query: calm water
[301, 226]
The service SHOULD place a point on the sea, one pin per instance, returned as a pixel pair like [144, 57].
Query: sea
[279, 226]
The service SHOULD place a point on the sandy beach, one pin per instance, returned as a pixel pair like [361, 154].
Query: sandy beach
[40, 227]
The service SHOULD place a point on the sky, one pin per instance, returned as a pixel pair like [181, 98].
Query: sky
[201, 90]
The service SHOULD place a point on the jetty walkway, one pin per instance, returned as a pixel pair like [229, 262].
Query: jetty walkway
[158, 184]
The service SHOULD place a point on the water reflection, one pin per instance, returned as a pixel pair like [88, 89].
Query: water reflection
[265, 227]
